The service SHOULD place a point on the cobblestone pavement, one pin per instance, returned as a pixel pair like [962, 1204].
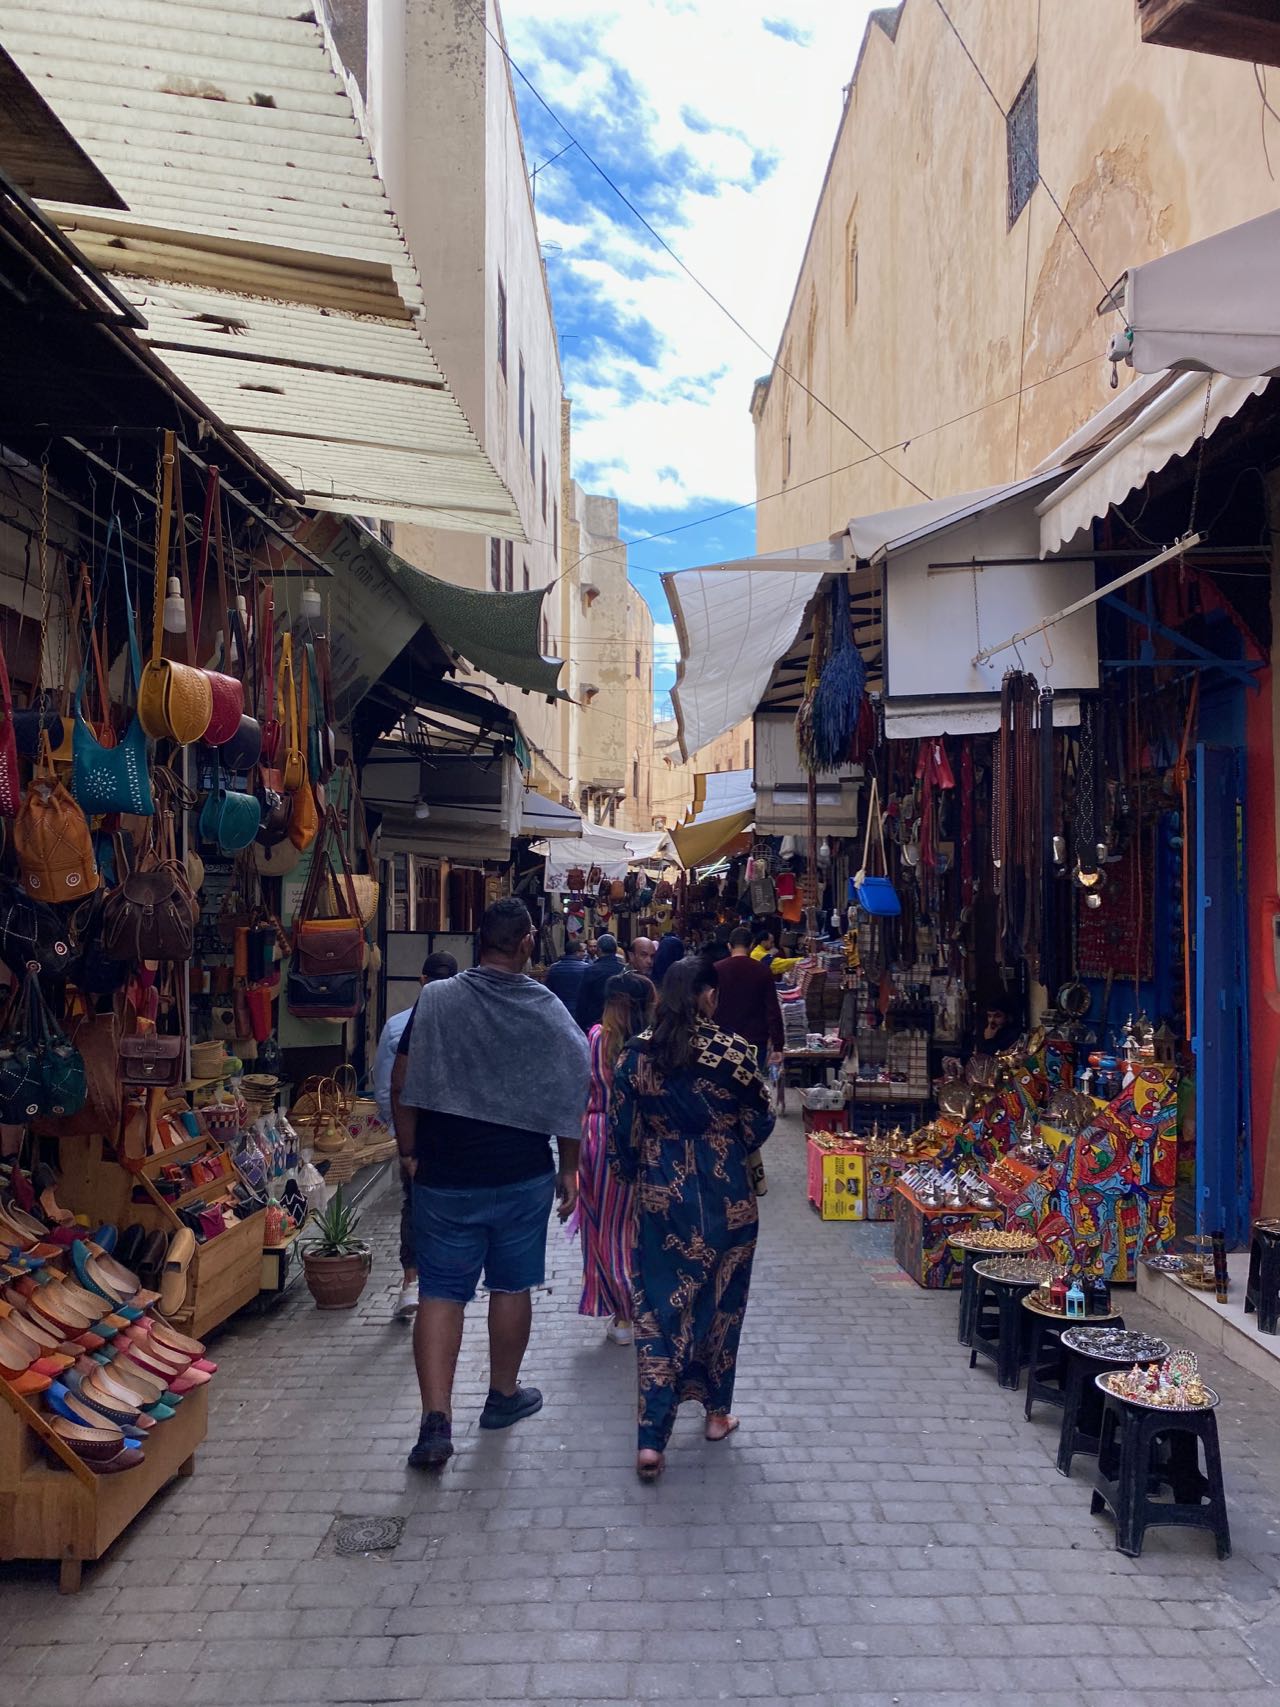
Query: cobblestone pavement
[885, 1529]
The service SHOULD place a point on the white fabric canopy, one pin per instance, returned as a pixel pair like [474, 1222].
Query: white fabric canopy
[1168, 426]
[734, 621]
[1213, 307]
[613, 851]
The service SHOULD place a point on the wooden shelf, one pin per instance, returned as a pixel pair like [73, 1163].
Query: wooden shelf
[59, 1508]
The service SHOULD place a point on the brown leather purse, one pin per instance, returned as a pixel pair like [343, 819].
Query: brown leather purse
[326, 946]
[151, 914]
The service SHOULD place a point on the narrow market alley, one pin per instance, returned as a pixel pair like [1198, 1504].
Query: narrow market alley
[885, 1529]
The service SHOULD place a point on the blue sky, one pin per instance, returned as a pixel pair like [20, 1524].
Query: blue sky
[715, 117]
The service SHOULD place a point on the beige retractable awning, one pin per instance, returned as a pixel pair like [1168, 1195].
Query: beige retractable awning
[1168, 426]
[1213, 307]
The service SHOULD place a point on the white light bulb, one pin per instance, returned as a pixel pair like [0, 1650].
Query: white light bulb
[312, 604]
[421, 810]
[175, 612]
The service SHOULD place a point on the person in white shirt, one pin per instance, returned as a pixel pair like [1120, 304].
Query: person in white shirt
[434, 967]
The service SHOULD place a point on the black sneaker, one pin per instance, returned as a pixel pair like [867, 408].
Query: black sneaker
[435, 1443]
[503, 1409]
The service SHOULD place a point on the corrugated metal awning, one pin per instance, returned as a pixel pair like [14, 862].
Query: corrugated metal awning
[277, 284]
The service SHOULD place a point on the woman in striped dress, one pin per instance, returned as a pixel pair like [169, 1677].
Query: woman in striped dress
[605, 1218]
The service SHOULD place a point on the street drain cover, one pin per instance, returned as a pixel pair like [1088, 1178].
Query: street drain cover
[353, 1535]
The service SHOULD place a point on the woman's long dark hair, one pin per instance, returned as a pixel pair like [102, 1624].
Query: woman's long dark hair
[672, 1042]
[628, 1002]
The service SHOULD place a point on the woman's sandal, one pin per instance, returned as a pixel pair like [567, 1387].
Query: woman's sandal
[650, 1465]
[732, 1429]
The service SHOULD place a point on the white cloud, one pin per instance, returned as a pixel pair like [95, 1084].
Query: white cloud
[728, 84]
[666, 648]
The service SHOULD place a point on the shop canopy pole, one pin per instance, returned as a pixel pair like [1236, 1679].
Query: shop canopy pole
[1178, 549]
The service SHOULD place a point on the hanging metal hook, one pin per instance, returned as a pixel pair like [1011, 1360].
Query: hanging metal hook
[1046, 664]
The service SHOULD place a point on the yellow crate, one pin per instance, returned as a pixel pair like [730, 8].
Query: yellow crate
[844, 1188]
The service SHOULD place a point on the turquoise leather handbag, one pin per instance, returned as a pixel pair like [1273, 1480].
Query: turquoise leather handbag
[112, 779]
[229, 819]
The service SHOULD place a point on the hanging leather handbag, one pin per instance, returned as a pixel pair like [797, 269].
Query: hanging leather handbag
[32, 936]
[275, 811]
[227, 690]
[874, 893]
[10, 779]
[152, 1058]
[229, 819]
[333, 996]
[151, 914]
[175, 701]
[324, 947]
[328, 722]
[96, 1038]
[241, 753]
[95, 972]
[364, 885]
[62, 1070]
[264, 640]
[40, 717]
[21, 1074]
[112, 778]
[293, 768]
[52, 839]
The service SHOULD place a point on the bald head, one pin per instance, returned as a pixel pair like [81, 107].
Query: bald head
[640, 956]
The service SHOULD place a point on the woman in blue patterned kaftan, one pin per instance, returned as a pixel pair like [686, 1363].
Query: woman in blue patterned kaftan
[689, 1107]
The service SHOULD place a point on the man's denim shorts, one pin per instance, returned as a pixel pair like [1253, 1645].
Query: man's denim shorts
[498, 1231]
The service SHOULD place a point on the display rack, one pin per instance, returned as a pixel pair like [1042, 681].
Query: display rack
[56, 1507]
[225, 1272]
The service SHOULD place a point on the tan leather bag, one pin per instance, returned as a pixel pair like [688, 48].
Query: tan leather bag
[52, 839]
[175, 701]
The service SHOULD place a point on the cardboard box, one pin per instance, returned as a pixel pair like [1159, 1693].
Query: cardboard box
[844, 1188]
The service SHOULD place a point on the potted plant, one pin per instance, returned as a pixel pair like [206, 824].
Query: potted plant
[335, 1261]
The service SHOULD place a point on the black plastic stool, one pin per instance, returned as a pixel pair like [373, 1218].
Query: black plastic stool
[1001, 1334]
[969, 1295]
[1123, 1480]
[1082, 1400]
[1262, 1291]
[1048, 1361]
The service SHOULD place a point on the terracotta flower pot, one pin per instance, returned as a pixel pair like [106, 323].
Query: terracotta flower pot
[336, 1282]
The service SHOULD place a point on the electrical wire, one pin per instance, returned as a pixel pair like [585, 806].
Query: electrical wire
[1033, 163]
[479, 8]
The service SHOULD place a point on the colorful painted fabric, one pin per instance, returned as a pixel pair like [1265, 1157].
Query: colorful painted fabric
[683, 1139]
[604, 1204]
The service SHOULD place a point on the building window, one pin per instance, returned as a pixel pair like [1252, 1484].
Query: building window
[637, 663]
[509, 576]
[502, 326]
[786, 457]
[635, 779]
[555, 528]
[525, 572]
[495, 565]
[544, 488]
[533, 443]
[1022, 130]
[520, 397]
[746, 755]
[850, 265]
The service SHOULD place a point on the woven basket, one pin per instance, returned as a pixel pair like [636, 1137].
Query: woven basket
[209, 1060]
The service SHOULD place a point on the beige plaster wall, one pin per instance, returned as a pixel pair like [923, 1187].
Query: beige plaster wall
[1146, 148]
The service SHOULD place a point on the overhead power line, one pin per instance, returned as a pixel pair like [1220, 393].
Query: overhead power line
[679, 261]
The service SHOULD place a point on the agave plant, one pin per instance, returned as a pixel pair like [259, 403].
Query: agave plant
[334, 1231]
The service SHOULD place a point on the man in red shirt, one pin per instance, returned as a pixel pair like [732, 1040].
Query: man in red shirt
[748, 1001]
